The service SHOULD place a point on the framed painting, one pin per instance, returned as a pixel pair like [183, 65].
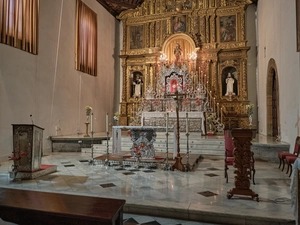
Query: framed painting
[179, 24]
[136, 37]
[228, 28]
[298, 24]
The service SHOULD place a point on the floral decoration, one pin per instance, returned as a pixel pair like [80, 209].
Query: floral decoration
[198, 102]
[116, 116]
[249, 109]
[210, 119]
[88, 110]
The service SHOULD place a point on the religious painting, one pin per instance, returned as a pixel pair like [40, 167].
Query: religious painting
[298, 24]
[137, 84]
[228, 28]
[179, 24]
[229, 81]
[136, 36]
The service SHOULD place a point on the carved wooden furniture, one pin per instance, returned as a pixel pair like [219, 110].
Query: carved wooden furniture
[229, 156]
[282, 155]
[242, 162]
[26, 207]
[290, 160]
[27, 147]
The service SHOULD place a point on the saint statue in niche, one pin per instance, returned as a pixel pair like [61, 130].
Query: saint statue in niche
[177, 53]
[137, 85]
[229, 85]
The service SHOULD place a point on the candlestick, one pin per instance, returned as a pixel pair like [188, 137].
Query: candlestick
[92, 122]
[218, 109]
[106, 122]
[214, 104]
[167, 122]
[187, 123]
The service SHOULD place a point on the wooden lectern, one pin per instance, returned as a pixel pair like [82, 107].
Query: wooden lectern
[27, 147]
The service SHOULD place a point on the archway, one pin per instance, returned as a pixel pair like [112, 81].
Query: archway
[272, 100]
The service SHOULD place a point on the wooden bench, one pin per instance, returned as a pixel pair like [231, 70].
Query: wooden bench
[26, 207]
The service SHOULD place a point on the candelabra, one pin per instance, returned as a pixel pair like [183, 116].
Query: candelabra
[167, 165]
[188, 166]
[92, 161]
[106, 162]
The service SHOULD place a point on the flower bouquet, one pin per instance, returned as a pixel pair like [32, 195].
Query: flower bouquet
[88, 111]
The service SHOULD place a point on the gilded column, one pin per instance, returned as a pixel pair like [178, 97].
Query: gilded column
[207, 29]
[245, 83]
[214, 89]
[242, 30]
[213, 29]
[152, 34]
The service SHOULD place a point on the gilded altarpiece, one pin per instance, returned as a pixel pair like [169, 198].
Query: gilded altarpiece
[213, 29]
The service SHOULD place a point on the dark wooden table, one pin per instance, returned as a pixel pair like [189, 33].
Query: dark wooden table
[26, 207]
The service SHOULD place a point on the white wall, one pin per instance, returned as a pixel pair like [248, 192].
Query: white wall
[48, 86]
[277, 34]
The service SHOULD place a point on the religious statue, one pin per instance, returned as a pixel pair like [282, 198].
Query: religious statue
[230, 82]
[138, 83]
[177, 53]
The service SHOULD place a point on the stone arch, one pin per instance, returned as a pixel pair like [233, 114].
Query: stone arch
[272, 100]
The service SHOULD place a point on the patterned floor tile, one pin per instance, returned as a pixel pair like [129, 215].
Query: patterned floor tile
[107, 185]
[207, 193]
[211, 175]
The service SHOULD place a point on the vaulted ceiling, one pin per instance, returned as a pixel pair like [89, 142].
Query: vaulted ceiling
[115, 7]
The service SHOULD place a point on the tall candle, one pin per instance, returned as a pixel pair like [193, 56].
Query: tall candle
[214, 106]
[187, 123]
[106, 122]
[92, 122]
[218, 109]
[167, 122]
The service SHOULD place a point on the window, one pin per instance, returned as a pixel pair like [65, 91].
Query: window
[86, 43]
[19, 23]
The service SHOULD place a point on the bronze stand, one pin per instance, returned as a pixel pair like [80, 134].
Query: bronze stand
[106, 162]
[188, 166]
[178, 164]
[242, 156]
[86, 130]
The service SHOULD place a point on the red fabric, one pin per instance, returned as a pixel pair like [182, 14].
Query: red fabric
[291, 159]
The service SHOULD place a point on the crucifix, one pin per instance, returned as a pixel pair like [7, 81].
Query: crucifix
[178, 164]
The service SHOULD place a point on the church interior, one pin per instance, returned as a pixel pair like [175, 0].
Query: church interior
[186, 109]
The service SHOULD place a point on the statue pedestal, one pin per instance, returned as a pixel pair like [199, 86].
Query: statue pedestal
[242, 156]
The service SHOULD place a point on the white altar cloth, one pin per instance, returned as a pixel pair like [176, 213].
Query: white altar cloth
[191, 115]
[294, 188]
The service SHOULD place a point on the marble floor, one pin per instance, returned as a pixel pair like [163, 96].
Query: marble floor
[188, 198]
